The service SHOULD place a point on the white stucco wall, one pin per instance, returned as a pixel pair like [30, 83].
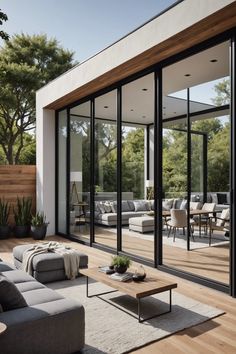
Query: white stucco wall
[45, 160]
[158, 30]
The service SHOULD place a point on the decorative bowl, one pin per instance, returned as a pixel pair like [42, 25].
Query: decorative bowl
[139, 277]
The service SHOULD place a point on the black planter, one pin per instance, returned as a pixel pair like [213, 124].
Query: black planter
[21, 231]
[38, 232]
[120, 269]
[5, 231]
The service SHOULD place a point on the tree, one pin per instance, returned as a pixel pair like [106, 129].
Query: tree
[3, 17]
[26, 64]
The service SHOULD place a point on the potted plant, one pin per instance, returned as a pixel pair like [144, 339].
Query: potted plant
[4, 216]
[22, 217]
[39, 226]
[121, 263]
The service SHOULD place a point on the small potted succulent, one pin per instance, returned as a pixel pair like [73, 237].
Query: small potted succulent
[5, 229]
[121, 264]
[39, 226]
[22, 216]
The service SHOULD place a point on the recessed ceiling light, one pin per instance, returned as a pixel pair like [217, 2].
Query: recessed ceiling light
[164, 107]
[143, 116]
[174, 112]
[187, 75]
[105, 106]
[144, 89]
[131, 110]
[213, 60]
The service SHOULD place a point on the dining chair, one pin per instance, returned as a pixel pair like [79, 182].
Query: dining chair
[219, 223]
[178, 220]
[202, 220]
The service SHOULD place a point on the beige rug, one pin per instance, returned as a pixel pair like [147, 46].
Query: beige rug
[109, 330]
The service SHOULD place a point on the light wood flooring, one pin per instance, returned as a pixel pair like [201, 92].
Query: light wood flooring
[210, 262]
[214, 336]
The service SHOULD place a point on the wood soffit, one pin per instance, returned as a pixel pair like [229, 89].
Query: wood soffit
[207, 28]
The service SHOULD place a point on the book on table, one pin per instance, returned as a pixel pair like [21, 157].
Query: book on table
[121, 277]
[106, 270]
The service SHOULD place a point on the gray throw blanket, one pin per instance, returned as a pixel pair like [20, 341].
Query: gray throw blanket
[71, 257]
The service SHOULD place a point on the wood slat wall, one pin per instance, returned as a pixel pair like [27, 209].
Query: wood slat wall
[18, 181]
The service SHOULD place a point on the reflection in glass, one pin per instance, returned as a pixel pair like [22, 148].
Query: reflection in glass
[105, 199]
[80, 171]
[137, 167]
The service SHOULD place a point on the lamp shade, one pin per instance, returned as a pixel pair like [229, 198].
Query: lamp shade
[149, 183]
[76, 176]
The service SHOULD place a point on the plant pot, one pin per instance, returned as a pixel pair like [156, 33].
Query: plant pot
[120, 269]
[39, 232]
[21, 231]
[5, 231]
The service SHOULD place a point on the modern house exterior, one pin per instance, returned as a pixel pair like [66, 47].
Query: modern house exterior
[162, 88]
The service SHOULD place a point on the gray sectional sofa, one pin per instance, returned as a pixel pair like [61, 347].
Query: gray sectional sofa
[106, 210]
[49, 324]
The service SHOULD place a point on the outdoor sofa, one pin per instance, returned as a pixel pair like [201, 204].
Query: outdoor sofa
[48, 324]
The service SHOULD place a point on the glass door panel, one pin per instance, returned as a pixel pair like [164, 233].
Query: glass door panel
[80, 171]
[105, 198]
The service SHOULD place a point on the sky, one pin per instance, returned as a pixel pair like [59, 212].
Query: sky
[82, 26]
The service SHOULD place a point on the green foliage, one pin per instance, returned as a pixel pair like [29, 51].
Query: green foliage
[4, 212]
[3, 17]
[39, 219]
[26, 64]
[121, 261]
[223, 93]
[23, 212]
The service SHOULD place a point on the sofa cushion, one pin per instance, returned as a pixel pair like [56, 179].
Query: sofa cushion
[40, 296]
[4, 267]
[141, 205]
[18, 276]
[125, 205]
[46, 261]
[131, 205]
[10, 296]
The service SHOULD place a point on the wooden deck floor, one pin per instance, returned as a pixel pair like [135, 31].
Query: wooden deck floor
[214, 336]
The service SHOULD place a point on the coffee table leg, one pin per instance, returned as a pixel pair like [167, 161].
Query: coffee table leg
[156, 315]
[104, 293]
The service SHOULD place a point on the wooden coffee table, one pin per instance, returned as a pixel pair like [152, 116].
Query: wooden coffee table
[137, 290]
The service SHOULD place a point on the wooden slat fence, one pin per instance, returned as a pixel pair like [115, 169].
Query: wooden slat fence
[17, 181]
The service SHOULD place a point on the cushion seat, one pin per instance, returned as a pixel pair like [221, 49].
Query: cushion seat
[47, 267]
[141, 224]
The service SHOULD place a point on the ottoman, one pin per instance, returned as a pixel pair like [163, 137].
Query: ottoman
[47, 267]
[142, 224]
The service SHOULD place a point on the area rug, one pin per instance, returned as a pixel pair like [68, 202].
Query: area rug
[180, 240]
[110, 330]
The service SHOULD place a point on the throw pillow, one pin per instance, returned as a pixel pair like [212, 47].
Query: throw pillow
[102, 207]
[107, 207]
[222, 198]
[167, 204]
[131, 205]
[125, 205]
[10, 296]
[141, 205]
[114, 207]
